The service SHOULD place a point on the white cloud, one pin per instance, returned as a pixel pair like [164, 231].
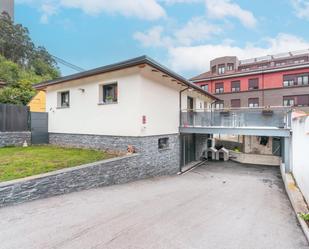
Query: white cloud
[194, 31]
[196, 58]
[180, 1]
[153, 38]
[197, 29]
[301, 8]
[143, 9]
[149, 9]
[225, 8]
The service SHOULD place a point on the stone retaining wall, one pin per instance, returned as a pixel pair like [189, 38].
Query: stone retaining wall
[167, 160]
[103, 173]
[14, 138]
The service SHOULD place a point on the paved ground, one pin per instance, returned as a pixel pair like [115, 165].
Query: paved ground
[216, 206]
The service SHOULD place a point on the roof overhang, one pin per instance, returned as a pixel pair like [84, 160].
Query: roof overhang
[139, 61]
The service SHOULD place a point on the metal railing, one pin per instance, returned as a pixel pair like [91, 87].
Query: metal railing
[277, 117]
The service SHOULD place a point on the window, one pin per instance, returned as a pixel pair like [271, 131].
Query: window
[64, 99]
[296, 100]
[163, 143]
[219, 105]
[302, 100]
[230, 66]
[110, 93]
[219, 88]
[253, 102]
[205, 87]
[221, 69]
[292, 80]
[235, 86]
[302, 80]
[289, 101]
[253, 84]
[214, 69]
[235, 103]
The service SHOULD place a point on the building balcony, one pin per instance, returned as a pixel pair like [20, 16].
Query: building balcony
[243, 121]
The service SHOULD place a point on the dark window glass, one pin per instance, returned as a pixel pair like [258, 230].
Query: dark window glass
[235, 103]
[221, 69]
[230, 66]
[235, 86]
[214, 69]
[289, 100]
[253, 102]
[219, 88]
[163, 143]
[65, 99]
[219, 104]
[205, 87]
[302, 100]
[302, 80]
[253, 84]
[110, 93]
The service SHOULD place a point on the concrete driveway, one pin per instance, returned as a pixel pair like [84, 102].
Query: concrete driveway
[220, 206]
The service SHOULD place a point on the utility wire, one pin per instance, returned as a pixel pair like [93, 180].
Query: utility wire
[68, 64]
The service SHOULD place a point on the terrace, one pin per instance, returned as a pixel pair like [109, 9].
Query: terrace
[274, 121]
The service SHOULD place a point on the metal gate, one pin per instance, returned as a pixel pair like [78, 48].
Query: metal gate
[39, 128]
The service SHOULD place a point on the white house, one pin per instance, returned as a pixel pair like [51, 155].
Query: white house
[135, 102]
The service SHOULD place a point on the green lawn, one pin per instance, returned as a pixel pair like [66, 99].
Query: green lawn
[19, 162]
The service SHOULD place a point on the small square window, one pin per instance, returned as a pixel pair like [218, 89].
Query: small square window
[64, 99]
[110, 93]
[205, 87]
[163, 143]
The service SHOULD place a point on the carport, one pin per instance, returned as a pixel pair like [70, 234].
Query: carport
[198, 126]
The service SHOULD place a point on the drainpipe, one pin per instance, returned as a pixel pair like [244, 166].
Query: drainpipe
[180, 104]
[183, 154]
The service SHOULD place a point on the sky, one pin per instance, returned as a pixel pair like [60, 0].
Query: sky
[183, 35]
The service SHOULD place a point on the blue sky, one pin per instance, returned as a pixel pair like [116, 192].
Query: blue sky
[181, 34]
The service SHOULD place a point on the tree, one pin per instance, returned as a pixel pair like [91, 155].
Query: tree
[21, 63]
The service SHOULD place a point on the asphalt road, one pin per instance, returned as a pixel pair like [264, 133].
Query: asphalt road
[218, 206]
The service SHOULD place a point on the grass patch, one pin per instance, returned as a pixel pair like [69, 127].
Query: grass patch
[19, 162]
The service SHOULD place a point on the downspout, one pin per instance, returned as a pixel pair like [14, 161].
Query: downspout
[181, 147]
[180, 104]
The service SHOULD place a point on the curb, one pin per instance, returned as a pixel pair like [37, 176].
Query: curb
[297, 200]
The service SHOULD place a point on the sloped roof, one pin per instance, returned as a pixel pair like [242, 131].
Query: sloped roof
[122, 65]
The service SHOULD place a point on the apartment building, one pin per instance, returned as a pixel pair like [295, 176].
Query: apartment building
[273, 80]
[8, 7]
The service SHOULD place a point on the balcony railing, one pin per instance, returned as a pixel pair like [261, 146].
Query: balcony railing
[277, 117]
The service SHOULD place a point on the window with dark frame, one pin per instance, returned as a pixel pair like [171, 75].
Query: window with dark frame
[110, 93]
[214, 69]
[65, 99]
[288, 101]
[235, 103]
[163, 143]
[302, 80]
[205, 87]
[253, 102]
[302, 100]
[230, 66]
[219, 88]
[221, 69]
[219, 105]
[235, 86]
[253, 84]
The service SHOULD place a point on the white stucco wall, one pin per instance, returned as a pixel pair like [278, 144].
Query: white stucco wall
[86, 116]
[141, 92]
[300, 154]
